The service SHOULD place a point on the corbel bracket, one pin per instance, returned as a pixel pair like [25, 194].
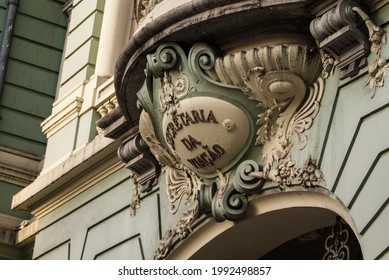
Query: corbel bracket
[138, 158]
[345, 31]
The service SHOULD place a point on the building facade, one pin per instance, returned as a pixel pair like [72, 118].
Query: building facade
[215, 130]
[32, 37]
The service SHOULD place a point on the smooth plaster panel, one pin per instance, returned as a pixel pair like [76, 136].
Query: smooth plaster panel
[60, 252]
[371, 139]
[376, 239]
[79, 77]
[98, 223]
[120, 177]
[61, 143]
[373, 194]
[122, 226]
[87, 128]
[127, 250]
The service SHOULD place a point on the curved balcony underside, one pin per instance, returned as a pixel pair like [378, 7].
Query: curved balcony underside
[225, 24]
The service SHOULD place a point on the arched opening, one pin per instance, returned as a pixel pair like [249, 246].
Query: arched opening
[277, 226]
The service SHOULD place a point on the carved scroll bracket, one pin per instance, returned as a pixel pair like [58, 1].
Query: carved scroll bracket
[138, 158]
[346, 33]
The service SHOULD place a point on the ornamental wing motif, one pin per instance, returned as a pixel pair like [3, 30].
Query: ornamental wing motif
[303, 119]
[181, 184]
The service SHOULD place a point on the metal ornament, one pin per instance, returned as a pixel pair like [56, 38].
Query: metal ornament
[336, 243]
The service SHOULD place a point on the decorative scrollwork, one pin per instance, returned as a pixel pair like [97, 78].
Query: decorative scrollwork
[202, 60]
[336, 243]
[164, 59]
[244, 179]
[231, 205]
[181, 184]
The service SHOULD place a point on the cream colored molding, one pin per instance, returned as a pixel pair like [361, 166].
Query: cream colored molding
[9, 222]
[91, 91]
[104, 91]
[265, 208]
[106, 100]
[26, 232]
[65, 110]
[18, 168]
[7, 237]
[78, 186]
[91, 159]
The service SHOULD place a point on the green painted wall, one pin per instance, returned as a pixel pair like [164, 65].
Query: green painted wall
[32, 73]
[30, 82]
[7, 191]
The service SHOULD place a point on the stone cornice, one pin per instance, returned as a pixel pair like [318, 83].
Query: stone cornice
[60, 118]
[58, 182]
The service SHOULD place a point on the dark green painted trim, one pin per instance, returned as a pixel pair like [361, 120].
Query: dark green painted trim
[371, 169]
[116, 245]
[141, 249]
[353, 139]
[380, 255]
[56, 247]
[375, 217]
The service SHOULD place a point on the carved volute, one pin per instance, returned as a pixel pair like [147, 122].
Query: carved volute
[226, 90]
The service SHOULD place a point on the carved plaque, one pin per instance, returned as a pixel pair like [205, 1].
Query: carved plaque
[206, 133]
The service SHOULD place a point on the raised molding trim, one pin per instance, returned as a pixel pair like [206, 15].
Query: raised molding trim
[53, 183]
[58, 120]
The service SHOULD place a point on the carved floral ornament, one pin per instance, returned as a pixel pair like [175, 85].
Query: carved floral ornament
[203, 111]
